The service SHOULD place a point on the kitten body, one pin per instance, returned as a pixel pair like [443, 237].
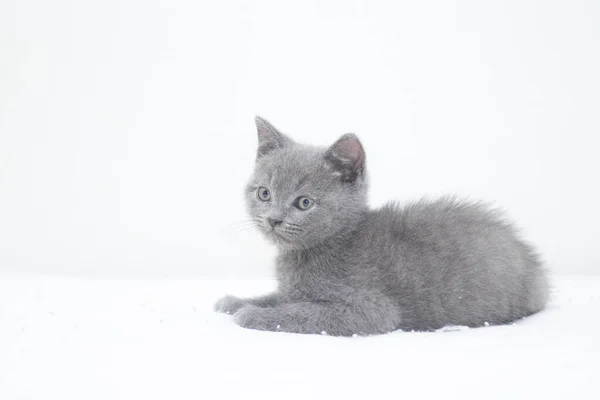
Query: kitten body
[345, 269]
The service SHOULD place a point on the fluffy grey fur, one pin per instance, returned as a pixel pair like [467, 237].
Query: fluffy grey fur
[345, 269]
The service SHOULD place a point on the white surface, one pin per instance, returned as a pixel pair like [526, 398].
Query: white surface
[100, 339]
[126, 126]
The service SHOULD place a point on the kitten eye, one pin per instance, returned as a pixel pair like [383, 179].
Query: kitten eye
[263, 194]
[304, 203]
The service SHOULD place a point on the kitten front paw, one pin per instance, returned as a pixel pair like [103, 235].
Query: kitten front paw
[228, 304]
[252, 317]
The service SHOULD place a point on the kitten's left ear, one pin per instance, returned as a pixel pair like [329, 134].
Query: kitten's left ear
[347, 156]
[269, 138]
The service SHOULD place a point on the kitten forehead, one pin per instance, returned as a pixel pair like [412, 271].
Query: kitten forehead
[294, 167]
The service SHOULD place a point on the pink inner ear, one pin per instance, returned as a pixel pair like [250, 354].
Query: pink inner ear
[349, 149]
[263, 131]
[266, 132]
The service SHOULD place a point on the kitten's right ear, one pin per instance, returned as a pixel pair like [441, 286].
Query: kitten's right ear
[269, 138]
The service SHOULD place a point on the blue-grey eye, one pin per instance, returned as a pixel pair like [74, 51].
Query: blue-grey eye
[264, 194]
[304, 203]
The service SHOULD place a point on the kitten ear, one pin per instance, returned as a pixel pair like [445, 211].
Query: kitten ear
[269, 138]
[347, 156]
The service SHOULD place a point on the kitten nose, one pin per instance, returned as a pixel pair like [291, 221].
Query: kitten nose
[274, 222]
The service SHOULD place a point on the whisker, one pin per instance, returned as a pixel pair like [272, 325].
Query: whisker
[293, 228]
[243, 231]
[247, 224]
[290, 232]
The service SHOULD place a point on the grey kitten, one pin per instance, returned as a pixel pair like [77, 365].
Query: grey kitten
[345, 269]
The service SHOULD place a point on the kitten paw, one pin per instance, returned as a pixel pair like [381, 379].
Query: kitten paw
[228, 304]
[252, 317]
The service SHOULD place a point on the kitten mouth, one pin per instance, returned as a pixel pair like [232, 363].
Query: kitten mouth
[278, 235]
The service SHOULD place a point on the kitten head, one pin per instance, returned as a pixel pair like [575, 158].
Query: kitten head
[301, 195]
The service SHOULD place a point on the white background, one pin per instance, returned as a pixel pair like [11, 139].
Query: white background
[126, 127]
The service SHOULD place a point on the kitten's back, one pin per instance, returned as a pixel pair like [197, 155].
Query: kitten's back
[455, 262]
